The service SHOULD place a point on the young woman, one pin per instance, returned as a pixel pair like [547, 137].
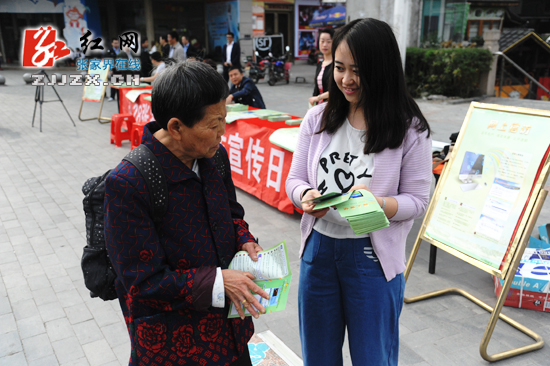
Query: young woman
[323, 72]
[370, 135]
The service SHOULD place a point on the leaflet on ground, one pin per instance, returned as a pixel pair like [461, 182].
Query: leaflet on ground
[273, 275]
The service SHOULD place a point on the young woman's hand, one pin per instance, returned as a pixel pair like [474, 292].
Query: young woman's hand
[313, 100]
[308, 207]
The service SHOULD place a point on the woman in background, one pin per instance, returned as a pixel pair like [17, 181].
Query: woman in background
[158, 65]
[324, 69]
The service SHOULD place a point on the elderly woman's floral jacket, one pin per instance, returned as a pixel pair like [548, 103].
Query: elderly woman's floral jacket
[166, 274]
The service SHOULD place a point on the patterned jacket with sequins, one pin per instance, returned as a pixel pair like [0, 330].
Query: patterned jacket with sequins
[166, 273]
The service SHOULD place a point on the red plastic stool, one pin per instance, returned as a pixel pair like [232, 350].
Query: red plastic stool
[137, 133]
[118, 122]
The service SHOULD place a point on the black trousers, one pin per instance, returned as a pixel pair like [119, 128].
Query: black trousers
[244, 360]
[226, 73]
[114, 93]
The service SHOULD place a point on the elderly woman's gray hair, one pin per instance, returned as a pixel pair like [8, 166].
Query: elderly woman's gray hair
[184, 90]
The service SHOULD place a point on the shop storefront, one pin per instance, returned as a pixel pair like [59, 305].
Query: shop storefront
[312, 15]
[460, 20]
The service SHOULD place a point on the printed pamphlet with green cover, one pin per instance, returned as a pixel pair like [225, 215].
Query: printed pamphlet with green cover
[360, 208]
[273, 275]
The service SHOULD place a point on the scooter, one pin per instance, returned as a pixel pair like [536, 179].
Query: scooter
[258, 68]
[279, 69]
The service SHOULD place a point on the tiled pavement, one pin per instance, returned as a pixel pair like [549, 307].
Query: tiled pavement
[46, 314]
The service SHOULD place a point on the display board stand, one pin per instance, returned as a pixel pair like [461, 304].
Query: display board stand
[99, 118]
[96, 93]
[518, 242]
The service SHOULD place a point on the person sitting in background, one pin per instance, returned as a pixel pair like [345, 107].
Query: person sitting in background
[440, 159]
[159, 66]
[244, 90]
[211, 62]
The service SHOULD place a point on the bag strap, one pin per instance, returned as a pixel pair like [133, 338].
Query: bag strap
[149, 166]
[219, 160]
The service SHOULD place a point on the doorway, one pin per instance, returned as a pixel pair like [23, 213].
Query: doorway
[278, 20]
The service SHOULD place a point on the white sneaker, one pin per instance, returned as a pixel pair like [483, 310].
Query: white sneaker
[110, 99]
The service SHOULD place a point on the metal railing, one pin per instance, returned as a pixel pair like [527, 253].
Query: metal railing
[501, 81]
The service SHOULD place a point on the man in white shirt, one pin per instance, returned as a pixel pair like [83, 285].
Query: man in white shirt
[231, 54]
[176, 50]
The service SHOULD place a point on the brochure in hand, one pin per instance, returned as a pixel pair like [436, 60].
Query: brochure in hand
[360, 208]
[273, 275]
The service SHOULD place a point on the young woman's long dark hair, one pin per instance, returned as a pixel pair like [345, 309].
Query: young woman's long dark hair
[387, 105]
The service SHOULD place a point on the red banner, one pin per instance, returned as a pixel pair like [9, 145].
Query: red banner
[141, 109]
[257, 166]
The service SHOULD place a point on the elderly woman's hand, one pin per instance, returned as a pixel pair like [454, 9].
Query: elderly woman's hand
[238, 285]
[309, 207]
[253, 249]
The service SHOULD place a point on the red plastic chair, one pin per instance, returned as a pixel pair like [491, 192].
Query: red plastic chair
[137, 134]
[118, 122]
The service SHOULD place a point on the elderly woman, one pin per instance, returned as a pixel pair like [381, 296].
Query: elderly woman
[173, 283]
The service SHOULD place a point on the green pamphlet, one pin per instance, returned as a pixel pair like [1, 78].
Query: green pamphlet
[273, 275]
[360, 208]
[237, 107]
[233, 116]
[287, 138]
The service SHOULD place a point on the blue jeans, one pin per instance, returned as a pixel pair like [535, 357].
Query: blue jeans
[342, 285]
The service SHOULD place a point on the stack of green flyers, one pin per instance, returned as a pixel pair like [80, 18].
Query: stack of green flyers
[273, 275]
[237, 107]
[360, 208]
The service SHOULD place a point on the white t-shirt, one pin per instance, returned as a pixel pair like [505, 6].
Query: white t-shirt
[343, 164]
[160, 68]
[228, 51]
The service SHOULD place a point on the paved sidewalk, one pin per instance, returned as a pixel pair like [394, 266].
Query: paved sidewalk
[46, 314]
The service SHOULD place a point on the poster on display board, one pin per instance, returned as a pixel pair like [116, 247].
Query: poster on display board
[487, 185]
[93, 92]
[307, 37]
[223, 17]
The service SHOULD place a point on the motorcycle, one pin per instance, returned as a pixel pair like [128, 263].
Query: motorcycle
[279, 69]
[258, 68]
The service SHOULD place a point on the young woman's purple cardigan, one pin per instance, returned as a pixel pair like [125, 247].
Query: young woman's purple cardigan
[404, 173]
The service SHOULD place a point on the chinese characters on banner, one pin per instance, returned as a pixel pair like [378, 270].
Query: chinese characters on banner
[257, 166]
[142, 109]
